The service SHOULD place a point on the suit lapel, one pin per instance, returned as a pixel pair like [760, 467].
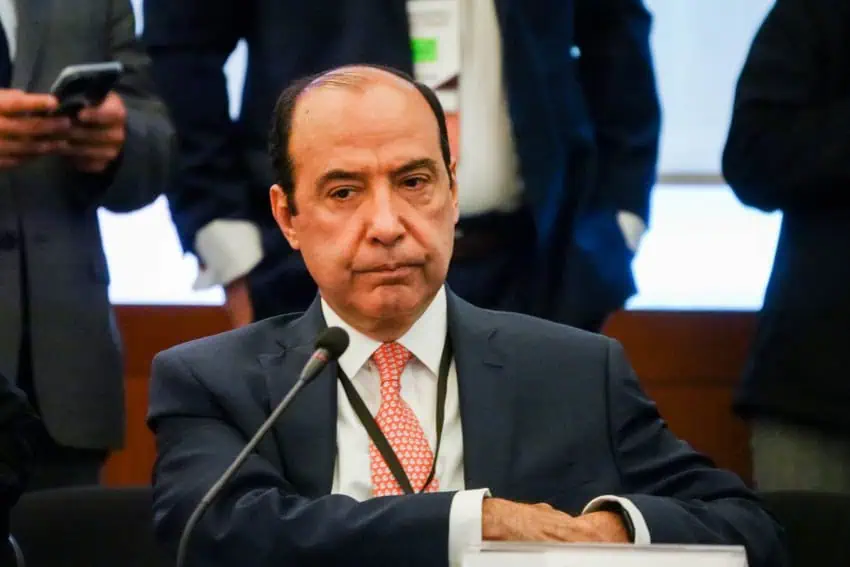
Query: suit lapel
[306, 432]
[33, 21]
[486, 396]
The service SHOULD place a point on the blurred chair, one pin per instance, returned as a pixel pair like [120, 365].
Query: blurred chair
[817, 526]
[87, 527]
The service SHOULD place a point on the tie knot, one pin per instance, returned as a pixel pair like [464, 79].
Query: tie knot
[391, 358]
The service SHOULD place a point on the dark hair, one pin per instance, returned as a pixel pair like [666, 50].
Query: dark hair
[281, 126]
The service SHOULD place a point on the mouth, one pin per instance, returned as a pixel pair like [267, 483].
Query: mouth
[391, 269]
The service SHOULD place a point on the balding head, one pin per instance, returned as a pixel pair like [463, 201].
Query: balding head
[354, 78]
[358, 151]
[359, 77]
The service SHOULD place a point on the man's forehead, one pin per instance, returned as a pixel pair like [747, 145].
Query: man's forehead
[369, 110]
[336, 101]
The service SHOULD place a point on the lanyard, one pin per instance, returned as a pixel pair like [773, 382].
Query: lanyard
[378, 437]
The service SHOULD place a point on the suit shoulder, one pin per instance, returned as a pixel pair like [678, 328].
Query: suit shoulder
[530, 329]
[251, 340]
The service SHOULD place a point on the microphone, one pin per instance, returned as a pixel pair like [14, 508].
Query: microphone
[329, 346]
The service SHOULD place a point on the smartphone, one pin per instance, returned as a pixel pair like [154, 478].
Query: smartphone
[83, 85]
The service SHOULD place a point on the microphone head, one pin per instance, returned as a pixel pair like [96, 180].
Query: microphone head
[334, 340]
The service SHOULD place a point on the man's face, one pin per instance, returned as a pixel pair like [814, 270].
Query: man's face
[376, 206]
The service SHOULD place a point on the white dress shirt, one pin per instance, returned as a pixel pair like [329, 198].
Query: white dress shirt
[9, 19]
[488, 167]
[352, 470]
[488, 176]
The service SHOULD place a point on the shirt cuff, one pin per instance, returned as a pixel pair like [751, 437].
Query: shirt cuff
[465, 523]
[638, 521]
[632, 227]
[228, 249]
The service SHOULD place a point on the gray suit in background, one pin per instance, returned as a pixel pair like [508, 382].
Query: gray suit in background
[57, 328]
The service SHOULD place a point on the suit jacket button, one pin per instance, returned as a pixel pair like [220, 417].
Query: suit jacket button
[8, 240]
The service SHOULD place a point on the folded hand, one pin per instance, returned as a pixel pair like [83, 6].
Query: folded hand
[503, 520]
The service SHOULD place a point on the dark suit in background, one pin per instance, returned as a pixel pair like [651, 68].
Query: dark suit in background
[223, 167]
[585, 119]
[17, 423]
[586, 132]
[549, 414]
[57, 329]
[789, 150]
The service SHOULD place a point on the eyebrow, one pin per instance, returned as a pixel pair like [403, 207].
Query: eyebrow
[413, 165]
[346, 175]
[339, 175]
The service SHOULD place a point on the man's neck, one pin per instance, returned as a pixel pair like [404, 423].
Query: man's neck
[381, 329]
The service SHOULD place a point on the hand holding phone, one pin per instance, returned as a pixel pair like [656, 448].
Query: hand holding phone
[85, 85]
[97, 135]
[98, 126]
[27, 127]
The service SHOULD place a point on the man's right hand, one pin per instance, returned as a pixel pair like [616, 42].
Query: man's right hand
[238, 302]
[503, 520]
[25, 131]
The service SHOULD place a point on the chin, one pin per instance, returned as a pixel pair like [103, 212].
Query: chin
[390, 301]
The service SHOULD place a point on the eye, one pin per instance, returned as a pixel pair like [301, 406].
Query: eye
[415, 182]
[342, 193]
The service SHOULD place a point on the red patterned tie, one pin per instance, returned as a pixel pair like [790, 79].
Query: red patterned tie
[401, 428]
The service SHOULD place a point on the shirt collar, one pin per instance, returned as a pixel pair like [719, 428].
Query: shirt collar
[424, 339]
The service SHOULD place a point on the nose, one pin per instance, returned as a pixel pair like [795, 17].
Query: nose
[385, 226]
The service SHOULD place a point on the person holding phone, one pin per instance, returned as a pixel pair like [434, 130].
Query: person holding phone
[56, 170]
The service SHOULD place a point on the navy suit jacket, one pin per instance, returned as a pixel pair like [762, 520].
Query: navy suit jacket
[586, 127]
[549, 413]
[586, 120]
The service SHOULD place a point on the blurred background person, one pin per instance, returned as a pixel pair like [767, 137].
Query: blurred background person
[220, 196]
[57, 332]
[17, 422]
[559, 125]
[552, 214]
[788, 149]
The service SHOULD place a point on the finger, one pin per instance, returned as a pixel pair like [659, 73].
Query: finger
[543, 506]
[108, 113]
[575, 531]
[10, 162]
[13, 101]
[559, 526]
[90, 165]
[106, 153]
[10, 147]
[96, 136]
[30, 127]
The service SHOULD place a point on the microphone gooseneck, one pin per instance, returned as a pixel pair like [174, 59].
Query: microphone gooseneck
[329, 346]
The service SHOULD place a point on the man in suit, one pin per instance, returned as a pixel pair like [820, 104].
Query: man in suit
[545, 433]
[788, 150]
[219, 196]
[57, 331]
[558, 150]
[17, 422]
[558, 143]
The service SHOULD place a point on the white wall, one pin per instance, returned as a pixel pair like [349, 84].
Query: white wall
[704, 250]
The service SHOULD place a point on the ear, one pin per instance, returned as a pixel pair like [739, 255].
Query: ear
[454, 188]
[283, 215]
